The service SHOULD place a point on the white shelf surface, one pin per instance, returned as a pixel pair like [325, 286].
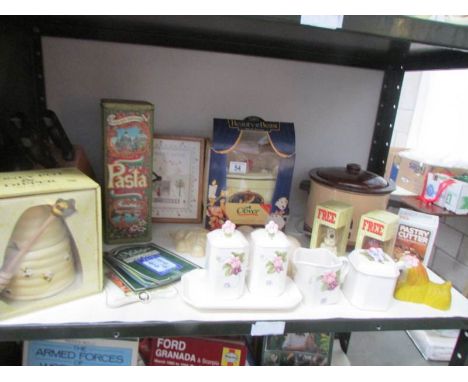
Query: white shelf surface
[93, 309]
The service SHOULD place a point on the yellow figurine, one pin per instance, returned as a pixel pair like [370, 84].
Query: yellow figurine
[414, 285]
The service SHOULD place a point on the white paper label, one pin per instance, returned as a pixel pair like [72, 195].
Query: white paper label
[267, 328]
[237, 167]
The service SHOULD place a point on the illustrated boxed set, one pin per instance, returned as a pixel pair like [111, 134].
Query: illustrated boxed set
[128, 152]
[50, 244]
[250, 172]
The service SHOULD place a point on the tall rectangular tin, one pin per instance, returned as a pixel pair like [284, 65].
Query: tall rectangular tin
[128, 158]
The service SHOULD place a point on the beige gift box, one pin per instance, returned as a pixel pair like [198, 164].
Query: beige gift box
[50, 239]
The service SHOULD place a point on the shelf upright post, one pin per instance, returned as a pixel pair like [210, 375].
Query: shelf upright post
[460, 353]
[387, 109]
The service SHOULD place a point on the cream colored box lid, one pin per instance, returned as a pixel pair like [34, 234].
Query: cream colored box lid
[22, 183]
[260, 237]
[219, 239]
[373, 262]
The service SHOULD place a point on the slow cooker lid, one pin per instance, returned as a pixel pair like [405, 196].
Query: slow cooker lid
[352, 178]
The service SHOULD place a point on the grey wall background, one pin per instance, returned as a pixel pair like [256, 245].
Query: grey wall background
[333, 107]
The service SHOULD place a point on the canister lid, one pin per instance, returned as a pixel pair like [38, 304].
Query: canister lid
[219, 239]
[352, 178]
[262, 238]
[374, 263]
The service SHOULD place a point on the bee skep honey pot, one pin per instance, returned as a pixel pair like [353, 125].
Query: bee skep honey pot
[51, 245]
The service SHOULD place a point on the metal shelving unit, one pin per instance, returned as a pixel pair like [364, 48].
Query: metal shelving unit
[392, 44]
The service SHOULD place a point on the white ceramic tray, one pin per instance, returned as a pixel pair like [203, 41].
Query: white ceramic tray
[197, 292]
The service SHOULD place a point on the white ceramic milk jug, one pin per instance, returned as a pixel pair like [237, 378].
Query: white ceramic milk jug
[318, 274]
[227, 256]
[269, 254]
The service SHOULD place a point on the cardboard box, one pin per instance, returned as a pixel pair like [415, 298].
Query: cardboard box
[250, 174]
[331, 228]
[410, 174]
[416, 234]
[435, 345]
[128, 168]
[392, 152]
[377, 229]
[51, 243]
[80, 352]
[455, 197]
[191, 351]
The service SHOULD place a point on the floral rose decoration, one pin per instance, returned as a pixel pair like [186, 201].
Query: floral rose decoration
[330, 280]
[410, 261]
[271, 228]
[233, 266]
[228, 228]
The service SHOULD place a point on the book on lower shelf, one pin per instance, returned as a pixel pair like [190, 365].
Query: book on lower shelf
[298, 349]
[80, 352]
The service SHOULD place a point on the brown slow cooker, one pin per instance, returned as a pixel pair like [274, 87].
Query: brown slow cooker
[364, 190]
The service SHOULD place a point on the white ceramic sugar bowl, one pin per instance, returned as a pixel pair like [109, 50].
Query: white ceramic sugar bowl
[227, 253]
[371, 280]
[269, 256]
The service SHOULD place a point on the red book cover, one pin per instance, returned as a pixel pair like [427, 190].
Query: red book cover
[195, 351]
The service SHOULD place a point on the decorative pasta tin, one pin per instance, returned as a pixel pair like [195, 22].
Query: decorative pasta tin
[128, 150]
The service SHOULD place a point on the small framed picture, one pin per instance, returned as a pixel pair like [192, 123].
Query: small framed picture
[178, 164]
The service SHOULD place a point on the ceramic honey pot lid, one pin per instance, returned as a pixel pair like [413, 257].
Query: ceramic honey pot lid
[227, 237]
[374, 262]
[270, 237]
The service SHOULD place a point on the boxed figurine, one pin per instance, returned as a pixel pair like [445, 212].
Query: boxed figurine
[50, 239]
[128, 153]
[377, 229]
[251, 168]
[416, 235]
[331, 227]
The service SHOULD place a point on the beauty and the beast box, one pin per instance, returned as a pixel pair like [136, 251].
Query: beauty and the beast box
[50, 239]
[128, 152]
[250, 174]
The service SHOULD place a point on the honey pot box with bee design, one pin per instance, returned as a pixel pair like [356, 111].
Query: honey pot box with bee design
[50, 239]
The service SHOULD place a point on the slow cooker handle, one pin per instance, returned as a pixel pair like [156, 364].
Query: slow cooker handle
[353, 168]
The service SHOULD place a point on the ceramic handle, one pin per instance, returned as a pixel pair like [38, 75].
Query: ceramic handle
[344, 268]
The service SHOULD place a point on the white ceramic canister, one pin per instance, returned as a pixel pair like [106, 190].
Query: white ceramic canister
[227, 256]
[269, 257]
[371, 280]
[318, 274]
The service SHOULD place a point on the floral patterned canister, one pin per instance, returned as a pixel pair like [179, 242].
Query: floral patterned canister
[269, 255]
[227, 256]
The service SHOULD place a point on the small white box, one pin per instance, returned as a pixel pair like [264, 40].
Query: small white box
[433, 345]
